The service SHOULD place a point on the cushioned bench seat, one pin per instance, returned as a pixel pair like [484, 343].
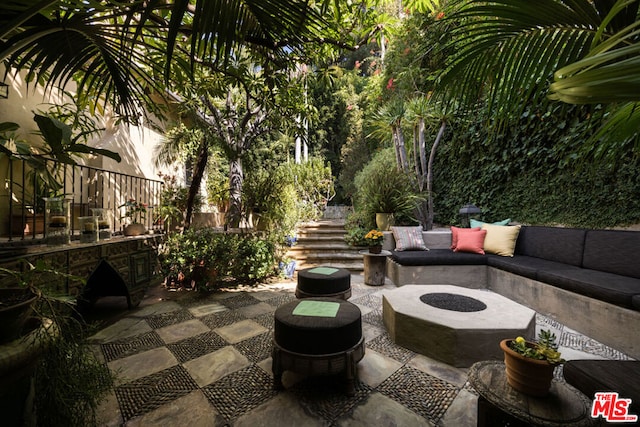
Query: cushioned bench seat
[523, 265]
[608, 287]
[591, 376]
[437, 257]
[600, 264]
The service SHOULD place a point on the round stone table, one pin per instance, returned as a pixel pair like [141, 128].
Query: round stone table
[499, 404]
[375, 267]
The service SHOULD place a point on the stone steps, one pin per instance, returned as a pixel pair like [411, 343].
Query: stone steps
[322, 243]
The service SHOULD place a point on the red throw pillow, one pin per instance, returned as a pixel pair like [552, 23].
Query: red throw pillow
[471, 242]
[455, 231]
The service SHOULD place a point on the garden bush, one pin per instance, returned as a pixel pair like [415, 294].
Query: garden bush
[208, 258]
[382, 187]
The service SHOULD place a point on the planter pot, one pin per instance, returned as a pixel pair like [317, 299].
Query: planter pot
[134, 229]
[16, 306]
[384, 221]
[18, 362]
[375, 249]
[528, 376]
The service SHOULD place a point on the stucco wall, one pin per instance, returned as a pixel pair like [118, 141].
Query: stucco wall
[135, 144]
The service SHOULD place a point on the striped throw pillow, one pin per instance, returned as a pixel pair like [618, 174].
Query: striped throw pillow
[408, 238]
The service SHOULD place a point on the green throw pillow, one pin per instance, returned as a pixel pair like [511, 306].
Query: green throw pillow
[476, 223]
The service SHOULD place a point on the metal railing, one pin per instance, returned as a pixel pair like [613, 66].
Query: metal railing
[86, 187]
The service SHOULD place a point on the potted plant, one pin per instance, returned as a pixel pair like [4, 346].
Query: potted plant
[530, 364]
[374, 239]
[50, 360]
[134, 213]
[386, 193]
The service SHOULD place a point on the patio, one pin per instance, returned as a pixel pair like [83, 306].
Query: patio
[187, 359]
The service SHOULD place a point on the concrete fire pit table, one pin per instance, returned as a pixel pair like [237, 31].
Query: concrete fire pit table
[456, 325]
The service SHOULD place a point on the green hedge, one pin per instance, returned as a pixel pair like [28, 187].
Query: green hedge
[536, 171]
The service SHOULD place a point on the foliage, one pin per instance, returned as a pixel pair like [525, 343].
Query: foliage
[356, 225]
[210, 258]
[118, 52]
[70, 382]
[313, 182]
[590, 48]
[384, 188]
[271, 196]
[355, 236]
[336, 120]
[374, 237]
[532, 172]
[134, 210]
[173, 202]
[545, 348]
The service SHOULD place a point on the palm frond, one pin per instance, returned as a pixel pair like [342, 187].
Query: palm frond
[507, 50]
[609, 73]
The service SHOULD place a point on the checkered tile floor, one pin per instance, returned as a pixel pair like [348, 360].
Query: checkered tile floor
[197, 359]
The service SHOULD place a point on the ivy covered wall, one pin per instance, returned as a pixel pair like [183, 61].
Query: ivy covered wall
[539, 170]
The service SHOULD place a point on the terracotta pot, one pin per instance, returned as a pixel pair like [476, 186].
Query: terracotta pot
[375, 249]
[134, 229]
[529, 376]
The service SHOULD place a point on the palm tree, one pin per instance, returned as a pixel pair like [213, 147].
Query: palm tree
[509, 50]
[112, 48]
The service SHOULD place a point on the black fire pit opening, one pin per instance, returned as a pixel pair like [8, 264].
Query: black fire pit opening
[453, 302]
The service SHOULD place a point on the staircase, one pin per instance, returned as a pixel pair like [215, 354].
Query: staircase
[322, 243]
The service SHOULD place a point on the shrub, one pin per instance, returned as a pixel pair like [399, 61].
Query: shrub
[207, 258]
[382, 187]
[356, 225]
[314, 187]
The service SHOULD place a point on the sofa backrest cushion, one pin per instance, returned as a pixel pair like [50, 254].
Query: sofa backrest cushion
[613, 251]
[564, 245]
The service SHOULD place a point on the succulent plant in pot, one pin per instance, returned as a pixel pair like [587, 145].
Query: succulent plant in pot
[530, 364]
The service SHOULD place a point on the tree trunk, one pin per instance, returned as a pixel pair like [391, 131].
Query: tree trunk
[196, 180]
[432, 157]
[401, 149]
[423, 154]
[236, 177]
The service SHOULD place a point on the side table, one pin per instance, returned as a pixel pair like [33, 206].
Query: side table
[499, 404]
[375, 267]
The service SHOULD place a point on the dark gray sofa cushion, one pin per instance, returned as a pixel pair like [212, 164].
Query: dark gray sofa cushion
[563, 245]
[635, 302]
[613, 251]
[591, 376]
[437, 257]
[611, 288]
[522, 265]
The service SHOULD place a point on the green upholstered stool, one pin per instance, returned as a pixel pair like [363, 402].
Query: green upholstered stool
[324, 281]
[318, 336]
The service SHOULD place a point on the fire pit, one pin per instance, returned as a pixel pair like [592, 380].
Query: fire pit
[456, 325]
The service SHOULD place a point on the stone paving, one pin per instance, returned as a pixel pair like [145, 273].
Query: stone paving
[190, 359]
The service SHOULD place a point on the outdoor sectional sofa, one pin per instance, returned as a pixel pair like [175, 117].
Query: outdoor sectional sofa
[586, 279]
